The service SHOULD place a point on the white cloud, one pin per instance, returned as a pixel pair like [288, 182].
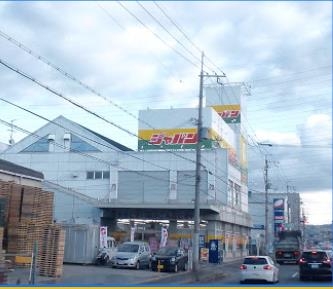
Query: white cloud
[275, 137]
[318, 206]
[317, 130]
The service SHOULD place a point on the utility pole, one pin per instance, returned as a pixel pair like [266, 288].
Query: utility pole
[195, 255]
[266, 197]
[195, 260]
[266, 204]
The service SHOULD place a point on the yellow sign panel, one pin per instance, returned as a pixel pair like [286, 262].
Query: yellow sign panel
[231, 113]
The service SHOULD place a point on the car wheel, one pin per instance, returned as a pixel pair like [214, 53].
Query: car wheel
[137, 266]
[176, 268]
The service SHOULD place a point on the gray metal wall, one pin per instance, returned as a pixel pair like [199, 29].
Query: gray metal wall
[186, 186]
[143, 186]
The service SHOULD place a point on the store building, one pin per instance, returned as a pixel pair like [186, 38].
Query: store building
[97, 180]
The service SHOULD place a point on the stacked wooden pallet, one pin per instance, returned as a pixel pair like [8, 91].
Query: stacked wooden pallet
[22, 237]
[52, 251]
[5, 189]
[1, 238]
[3, 276]
[28, 212]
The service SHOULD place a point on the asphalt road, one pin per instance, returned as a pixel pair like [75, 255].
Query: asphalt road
[224, 275]
[288, 275]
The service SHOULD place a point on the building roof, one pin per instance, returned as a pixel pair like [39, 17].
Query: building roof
[110, 141]
[17, 169]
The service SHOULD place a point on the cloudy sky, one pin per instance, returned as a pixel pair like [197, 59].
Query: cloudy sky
[137, 55]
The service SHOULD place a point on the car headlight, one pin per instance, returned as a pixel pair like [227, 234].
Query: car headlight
[173, 260]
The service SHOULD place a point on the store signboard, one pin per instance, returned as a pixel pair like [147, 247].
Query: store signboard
[231, 113]
[278, 213]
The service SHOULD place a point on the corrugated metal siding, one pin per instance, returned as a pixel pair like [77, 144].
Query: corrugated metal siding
[143, 187]
[81, 243]
[186, 186]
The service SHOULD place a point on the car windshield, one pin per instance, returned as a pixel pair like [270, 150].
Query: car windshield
[167, 251]
[132, 248]
[314, 256]
[255, 261]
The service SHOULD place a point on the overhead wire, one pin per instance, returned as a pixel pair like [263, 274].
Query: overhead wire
[25, 75]
[159, 37]
[185, 35]
[92, 140]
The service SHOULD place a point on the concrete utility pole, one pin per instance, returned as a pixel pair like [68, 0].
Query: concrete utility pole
[266, 205]
[195, 260]
[266, 196]
[195, 247]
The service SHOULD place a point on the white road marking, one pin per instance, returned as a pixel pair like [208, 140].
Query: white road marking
[295, 275]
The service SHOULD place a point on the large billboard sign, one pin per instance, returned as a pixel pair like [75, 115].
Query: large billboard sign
[185, 138]
[176, 139]
[231, 113]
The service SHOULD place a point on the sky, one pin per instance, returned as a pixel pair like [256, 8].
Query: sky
[139, 55]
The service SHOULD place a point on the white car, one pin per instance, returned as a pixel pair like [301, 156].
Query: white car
[259, 268]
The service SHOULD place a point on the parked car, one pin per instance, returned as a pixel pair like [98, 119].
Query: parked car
[259, 268]
[315, 264]
[169, 259]
[134, 254]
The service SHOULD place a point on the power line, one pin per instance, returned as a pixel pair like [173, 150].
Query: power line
[156, 35]
[184, 34]
[83, 108]
[85, 137]
[294, 73]
[167, 31]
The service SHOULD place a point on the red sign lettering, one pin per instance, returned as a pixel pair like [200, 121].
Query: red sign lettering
[178, 138]
[229, 113]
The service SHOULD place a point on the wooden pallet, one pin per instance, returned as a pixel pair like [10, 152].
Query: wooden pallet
[52, 251]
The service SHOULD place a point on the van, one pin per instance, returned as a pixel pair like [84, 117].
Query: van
[134, 254]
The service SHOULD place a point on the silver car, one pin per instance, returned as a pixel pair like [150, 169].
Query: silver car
[134, 254]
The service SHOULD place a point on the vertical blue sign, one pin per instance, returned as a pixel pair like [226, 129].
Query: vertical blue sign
[213, 251]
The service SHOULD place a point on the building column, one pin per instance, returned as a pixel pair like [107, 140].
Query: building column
[173, 185]
[172, 226]
[113, 186]
[215, 230]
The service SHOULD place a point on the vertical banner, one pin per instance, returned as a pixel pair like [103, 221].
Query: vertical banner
[164, 237]
[278, 211]
[103, 233]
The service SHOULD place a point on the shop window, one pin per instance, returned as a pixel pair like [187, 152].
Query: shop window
[106, 174]
[98, 174]
[90, 175]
